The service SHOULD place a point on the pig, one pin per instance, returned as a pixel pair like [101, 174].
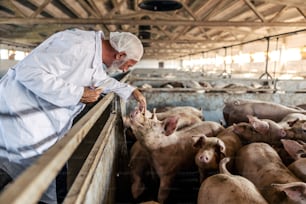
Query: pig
[146, 86]
[140, 168]
[290, 119]
[181, 110]
[248, 134]
[270, 131]
[236, 111]
[187, 115]
[169, 153]
[205, 84]
[260, 130]
[303, 106]
[213, 149]
[227, 188]
[297, 130]
[236, 88]
[261, 164]
[297, 150]
[173, 84]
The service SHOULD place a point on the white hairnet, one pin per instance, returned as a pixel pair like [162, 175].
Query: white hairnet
[128, 43]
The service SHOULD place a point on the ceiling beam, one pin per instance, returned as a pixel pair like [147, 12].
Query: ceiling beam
[253, 8]
[40, 8]
[295, 3]
[29, 21]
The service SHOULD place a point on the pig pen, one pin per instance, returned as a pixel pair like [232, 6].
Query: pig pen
[211, 100]
[96, 149]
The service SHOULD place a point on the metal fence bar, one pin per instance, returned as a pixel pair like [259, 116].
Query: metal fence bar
[79, 189]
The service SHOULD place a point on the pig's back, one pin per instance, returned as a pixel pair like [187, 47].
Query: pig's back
[223, 188]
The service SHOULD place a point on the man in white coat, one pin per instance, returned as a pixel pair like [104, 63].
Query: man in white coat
[42, 94]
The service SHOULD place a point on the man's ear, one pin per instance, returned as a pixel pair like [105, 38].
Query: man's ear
[120, 55]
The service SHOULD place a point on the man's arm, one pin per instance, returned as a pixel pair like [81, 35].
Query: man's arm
[90, 95]
[141, 100]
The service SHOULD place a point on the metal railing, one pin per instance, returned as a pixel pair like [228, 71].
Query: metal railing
[33, 182]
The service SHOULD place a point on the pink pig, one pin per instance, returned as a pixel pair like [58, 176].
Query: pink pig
[297, 150]
[171, 152]
[260, 130]
[213, 149]
[227, 188]
[261, 164]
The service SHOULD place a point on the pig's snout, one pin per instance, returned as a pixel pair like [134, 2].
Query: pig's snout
[205, 157]
[134, 113]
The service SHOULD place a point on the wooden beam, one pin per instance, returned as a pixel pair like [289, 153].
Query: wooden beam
[209, 24]
[294, 3]
[94, 6]
[75, 8]
[189, 11]
[252, 7]
[214, 10]
[40, 8]
[51, 9]
[278, 14]
[14, 8]
[302, 12]
[88, 8]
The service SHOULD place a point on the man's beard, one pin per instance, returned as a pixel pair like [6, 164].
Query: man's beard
[114, 67]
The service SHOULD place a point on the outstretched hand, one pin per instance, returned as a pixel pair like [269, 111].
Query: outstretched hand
[90, 95]
[142, 102]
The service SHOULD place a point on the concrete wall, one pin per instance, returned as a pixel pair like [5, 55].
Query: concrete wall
[5, 65]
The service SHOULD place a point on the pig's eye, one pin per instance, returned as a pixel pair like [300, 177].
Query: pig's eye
[300, 151]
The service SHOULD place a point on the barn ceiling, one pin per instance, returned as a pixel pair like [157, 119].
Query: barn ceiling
[199, 26]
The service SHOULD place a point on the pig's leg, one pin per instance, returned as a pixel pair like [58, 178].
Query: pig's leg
[164, 188]
[137, 186]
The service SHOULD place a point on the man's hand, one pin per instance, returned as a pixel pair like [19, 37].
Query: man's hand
[142, 102]
[90, 95]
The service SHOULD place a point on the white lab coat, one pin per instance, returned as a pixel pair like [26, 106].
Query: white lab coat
[39, 96]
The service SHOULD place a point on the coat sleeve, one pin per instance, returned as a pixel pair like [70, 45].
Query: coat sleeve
[110, 84]
[41, 72]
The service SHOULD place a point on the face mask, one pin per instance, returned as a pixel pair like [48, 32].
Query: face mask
[115, 67]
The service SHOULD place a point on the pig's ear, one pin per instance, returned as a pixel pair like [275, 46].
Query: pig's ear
[198, 141]
[293, 148]
[148, 114]
[237, 102]
[238, 128]
[221, 145]
[170, 125]
[154, 117]
[259, 125]
[291, 123]
[296, 191]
